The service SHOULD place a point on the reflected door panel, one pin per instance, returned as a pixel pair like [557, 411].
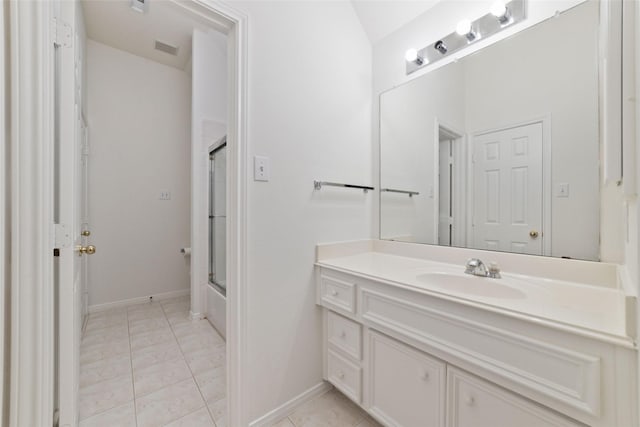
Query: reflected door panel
[507, 190]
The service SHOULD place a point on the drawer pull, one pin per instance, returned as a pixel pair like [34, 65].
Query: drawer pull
[340, 374]
[469, 400]
[334, 293]
[343, 334]
[425, 376]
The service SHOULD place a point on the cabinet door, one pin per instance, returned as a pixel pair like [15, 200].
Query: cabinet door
[405, 387]
[473, 402]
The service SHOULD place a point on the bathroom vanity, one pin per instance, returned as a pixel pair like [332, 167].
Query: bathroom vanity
[416, 342]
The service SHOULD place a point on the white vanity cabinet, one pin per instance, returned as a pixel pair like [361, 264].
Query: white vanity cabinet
[404, 387]
[415, 359]
[473, 402]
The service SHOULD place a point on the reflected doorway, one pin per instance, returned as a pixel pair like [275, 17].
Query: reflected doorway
[451, 185]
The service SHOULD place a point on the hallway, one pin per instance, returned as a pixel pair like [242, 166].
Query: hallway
[150, 365]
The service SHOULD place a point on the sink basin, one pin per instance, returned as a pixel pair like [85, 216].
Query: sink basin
[471, 285]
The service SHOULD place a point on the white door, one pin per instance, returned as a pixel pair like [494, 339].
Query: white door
[68, 208]
[445, 200]
[507, 190]
[84, 218]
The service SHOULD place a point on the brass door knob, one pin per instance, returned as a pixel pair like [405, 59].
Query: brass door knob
[86, 233]
[89, 250]
[533, 234]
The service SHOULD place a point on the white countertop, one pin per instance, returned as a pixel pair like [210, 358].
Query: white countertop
[595, 311]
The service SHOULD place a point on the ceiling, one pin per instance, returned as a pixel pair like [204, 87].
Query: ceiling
[379, 18]
[115, 24]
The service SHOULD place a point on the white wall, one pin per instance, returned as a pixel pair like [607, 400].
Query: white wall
[389, 71]
[208, 125]
[309, 100]
[139, 139]
[410, 149]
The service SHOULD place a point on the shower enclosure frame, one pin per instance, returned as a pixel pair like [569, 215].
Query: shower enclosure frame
[218, 147]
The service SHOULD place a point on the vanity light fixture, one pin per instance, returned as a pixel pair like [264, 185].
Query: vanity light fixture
[500, 11]
[503, 14]
[441, 47]
[464, 28]
[412, 56]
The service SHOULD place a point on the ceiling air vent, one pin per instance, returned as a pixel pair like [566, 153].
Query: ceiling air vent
[166, 48]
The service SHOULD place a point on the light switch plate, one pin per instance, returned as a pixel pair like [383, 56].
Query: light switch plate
[562, 190]
[260, 168]
[165, 195]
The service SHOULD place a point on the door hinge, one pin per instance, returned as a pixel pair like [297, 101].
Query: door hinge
[62, 236]
[62, 33]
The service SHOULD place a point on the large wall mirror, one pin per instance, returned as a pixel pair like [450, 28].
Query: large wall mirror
[501, 149]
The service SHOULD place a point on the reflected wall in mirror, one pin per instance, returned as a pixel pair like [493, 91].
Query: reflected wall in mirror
[502, 146]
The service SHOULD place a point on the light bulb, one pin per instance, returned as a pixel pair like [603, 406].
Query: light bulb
[498, 9]
[464, 27]
[411, 55]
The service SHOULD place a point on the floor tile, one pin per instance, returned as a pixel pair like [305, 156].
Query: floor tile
[120, 416]
[207, 359]
[98, 323]
[199, 341]
[168, 404]
[104, 369]
[199, 418]
[212, 385]
[368, 422]
[151, 338]
[110, 333]
[138, 327]
[178, 318]
[105, 395]
[151, 378]
[283, 423]
[329, 410]
[193, 327]
[95, 352]
[218, 411]
[157, 353]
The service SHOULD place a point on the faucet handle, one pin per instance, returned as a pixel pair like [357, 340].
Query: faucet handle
[494, 270]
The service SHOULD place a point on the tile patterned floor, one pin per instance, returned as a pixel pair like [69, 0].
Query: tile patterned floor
[149, 365]
[331, 409]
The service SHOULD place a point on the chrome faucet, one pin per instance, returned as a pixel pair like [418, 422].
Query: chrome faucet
[476, 267]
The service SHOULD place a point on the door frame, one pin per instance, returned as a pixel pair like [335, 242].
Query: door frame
[547, 169]
[460, 189]
[32, 195]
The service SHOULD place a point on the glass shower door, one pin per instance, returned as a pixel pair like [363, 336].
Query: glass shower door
[218, 217]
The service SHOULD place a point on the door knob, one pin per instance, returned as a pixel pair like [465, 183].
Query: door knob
[533, 234]
[89, 250]
[86, 233]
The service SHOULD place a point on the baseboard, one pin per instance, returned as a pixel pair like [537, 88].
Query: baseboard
[284, 410]
[138, 300]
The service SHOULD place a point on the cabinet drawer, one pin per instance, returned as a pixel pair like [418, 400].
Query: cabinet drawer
[345, 375]
[344, 334]
[336, 293]
[473, 402]
[404, 387]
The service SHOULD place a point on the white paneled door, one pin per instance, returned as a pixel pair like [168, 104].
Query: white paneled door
[70, 208]
[507, 190]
